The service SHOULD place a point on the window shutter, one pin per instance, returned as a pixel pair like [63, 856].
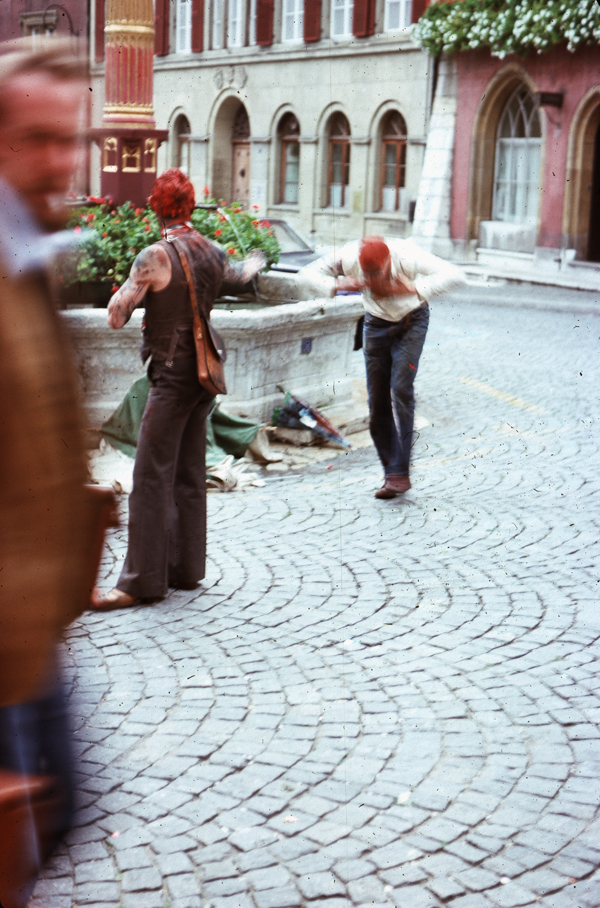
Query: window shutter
[99, 32]
[312, 20]
[264, 22]
[418, 8]
[161, 28]
[363, 18]
[197, 26]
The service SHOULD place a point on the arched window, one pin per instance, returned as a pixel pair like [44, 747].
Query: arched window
[393, 161]
[289, 135]
[339, 161]
[181, 145]
[518, 154]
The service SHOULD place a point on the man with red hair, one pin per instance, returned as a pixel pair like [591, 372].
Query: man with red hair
[397, 278]
[167, 505]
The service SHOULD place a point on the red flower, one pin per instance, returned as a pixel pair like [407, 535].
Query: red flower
[218, 232]
[222, 218]
[114, 288]
[255, 223]
[147, 228]
[256, 207]
[138, 211]
[231, 250]
[265, 223]
[206, 191]
[76, 229]
[105, 234]
[90, 217]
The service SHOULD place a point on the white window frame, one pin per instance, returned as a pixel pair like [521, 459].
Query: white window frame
[235, 23]
[292, 21]
[217, 24]
[183, 27]
[347, 8]
[252, 24]
[404, 18]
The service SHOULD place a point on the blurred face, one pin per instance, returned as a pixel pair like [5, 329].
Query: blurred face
[40, 140]
[377, 279]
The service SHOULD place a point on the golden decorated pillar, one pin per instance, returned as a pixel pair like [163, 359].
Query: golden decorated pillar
[128, 138]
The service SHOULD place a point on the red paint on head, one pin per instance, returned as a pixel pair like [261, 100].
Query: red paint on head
[172, 195]
[373, 254]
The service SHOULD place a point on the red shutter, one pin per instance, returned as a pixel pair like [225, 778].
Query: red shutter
[264, 22]
[363, 18]
[161, 28]
[312, 20]
[418, 8]
[197, 26]
[99, 32]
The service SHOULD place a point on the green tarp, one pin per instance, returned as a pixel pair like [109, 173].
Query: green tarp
[225, 434]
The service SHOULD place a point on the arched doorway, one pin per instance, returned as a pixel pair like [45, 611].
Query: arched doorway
[593, 252]
[240, 168]
[581, 215]
[230, 152]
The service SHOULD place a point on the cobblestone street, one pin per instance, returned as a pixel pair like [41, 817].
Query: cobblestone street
[370, 703]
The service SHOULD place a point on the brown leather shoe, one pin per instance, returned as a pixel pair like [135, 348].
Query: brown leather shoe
[394, 484]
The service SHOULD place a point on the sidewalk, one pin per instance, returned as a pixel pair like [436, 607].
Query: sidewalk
[583, 276]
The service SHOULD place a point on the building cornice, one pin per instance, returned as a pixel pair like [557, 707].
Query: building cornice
[281, 52]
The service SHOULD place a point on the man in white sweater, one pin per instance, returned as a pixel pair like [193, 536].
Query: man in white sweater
[397, 279]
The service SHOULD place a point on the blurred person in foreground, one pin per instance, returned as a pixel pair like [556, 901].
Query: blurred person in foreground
[397, 279]
[44, 511]
[167, 504]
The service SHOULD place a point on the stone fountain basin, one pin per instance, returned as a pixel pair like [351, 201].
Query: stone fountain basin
[304, 346]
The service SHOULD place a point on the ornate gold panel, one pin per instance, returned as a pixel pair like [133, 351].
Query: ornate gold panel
[131, 157]
[150, 156]
[109, 157]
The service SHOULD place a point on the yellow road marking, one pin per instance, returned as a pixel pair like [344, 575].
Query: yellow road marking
[508, 398]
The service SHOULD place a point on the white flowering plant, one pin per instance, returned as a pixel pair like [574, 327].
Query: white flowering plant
[508, 26]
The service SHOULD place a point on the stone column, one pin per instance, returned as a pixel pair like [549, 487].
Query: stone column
[431, 227]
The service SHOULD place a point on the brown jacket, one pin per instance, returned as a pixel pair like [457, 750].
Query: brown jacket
[45, 526]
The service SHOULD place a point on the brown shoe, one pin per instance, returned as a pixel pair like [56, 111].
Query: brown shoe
[393, 485]
[110, 601]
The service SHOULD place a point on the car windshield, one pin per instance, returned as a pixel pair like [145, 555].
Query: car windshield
[288, 239]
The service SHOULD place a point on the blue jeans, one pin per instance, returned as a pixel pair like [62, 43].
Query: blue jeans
[35, 739]
[392, 352]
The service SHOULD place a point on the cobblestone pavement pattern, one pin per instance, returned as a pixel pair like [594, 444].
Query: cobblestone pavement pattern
[372, 703]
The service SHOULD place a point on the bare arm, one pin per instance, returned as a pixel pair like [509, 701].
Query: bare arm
[150, 271]
[242, 272]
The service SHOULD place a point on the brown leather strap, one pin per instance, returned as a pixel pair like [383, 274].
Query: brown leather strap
[185, 264]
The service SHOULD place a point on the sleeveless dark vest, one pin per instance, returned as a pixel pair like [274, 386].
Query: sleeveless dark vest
[168, 323]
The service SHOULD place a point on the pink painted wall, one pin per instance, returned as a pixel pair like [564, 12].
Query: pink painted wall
[571, 73]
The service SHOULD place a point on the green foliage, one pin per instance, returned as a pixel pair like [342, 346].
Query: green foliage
[115, 236]
[508, 26]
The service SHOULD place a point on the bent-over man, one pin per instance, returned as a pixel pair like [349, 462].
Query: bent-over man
[397, 279]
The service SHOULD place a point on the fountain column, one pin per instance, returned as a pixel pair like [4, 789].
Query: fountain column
[128, 138]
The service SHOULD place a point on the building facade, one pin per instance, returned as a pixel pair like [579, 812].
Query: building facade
[316, 112]
[526, 170]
